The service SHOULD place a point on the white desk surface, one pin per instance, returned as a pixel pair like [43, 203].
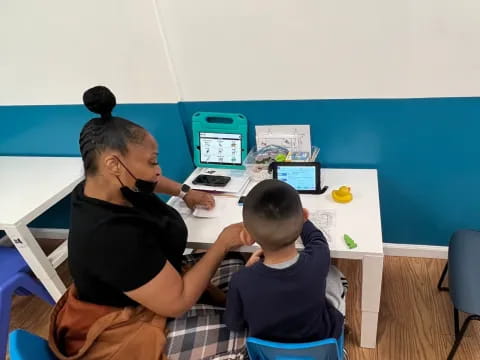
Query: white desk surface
[30, 185]
[360, 219]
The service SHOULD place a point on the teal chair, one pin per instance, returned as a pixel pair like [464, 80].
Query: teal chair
[328, 349]
[26, 346]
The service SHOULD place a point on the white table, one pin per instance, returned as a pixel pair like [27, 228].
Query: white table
[28, 187]
[360, 219]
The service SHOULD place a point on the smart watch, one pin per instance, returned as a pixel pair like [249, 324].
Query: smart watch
[183, 191]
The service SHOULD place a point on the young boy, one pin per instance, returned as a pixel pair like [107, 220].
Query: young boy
[282, 297]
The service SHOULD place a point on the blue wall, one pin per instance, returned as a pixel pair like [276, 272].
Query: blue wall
[426, 150]
[54, 130]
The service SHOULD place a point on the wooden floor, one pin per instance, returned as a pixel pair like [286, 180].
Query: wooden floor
[415, 319]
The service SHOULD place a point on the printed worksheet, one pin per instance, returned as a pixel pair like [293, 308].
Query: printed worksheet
[292, 137]
[325, 221]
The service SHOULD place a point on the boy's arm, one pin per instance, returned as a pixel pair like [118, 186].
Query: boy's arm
[233, 316]
[311, 235]
[316, 245]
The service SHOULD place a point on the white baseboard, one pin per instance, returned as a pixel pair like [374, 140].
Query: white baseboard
[42, 233]
[389, 249]
[5, 241]
[422, 251]
[55, 234]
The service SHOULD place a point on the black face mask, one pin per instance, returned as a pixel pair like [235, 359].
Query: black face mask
[142, 186]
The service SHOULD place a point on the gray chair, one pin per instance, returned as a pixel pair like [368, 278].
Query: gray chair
[440, 286]
[463, 278]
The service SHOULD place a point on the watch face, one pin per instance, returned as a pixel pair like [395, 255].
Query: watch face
[185, 188]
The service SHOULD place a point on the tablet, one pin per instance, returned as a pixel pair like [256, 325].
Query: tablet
[302, 176]
[220, 148]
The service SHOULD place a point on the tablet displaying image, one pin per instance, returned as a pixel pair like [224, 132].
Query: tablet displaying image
[304, 177]
[219, 148]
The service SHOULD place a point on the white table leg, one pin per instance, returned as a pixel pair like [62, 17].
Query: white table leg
[372, 271]
[34, 256]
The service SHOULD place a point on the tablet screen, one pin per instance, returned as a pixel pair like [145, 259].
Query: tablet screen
[302, 178]
[219, 148]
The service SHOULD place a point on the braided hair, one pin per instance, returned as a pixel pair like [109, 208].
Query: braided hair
[107, 131]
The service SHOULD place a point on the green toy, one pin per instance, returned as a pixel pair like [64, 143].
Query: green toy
[280, 158]
[349, 241]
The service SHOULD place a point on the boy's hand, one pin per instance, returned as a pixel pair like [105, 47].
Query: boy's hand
[255, 257]
[306, 214]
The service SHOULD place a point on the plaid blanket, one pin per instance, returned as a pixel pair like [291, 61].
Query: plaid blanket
[200, 333]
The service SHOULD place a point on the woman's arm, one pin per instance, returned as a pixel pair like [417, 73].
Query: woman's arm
[170, 295]
[168, 186]
[193, 197]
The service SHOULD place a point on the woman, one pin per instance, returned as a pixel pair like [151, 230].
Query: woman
[125, 256]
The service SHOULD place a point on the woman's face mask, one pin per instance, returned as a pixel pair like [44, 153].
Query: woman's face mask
[142, 186]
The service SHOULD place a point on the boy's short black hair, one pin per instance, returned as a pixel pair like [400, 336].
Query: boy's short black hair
[273, 214]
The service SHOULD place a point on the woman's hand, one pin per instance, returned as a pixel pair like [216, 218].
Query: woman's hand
[199, 198]
[234, 236]
[255, 257]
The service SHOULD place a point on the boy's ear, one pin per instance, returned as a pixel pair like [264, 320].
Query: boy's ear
[246, 237]
[306, 214]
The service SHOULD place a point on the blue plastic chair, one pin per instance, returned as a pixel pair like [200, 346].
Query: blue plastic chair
[15, 279]
[328, 349]
[26, 346]
[463, 277]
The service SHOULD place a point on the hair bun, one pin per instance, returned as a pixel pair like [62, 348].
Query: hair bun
[100, 100]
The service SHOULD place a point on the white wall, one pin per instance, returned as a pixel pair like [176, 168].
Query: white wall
[226, 50]
[294, 49]
[50, 51]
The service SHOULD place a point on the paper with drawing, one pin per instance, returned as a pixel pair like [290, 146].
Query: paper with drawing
[292, 137]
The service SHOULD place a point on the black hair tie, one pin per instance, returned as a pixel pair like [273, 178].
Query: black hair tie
[106, 116]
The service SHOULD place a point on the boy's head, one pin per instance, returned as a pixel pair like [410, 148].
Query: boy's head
[273, 214]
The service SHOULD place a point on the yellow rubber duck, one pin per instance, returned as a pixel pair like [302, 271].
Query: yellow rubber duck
[342, 195]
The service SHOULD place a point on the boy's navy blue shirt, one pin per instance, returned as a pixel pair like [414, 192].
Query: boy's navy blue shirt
[286, 305]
